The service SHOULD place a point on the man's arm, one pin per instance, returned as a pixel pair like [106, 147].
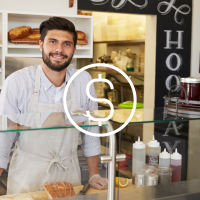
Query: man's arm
[93, 163]
[8, 105]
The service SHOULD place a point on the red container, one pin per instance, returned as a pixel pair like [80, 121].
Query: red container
[124, 164]
[192, 87]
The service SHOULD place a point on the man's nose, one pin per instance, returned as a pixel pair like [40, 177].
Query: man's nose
[59, 47]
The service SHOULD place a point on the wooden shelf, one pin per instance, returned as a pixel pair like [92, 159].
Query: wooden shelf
[120, 42]
[115, 72]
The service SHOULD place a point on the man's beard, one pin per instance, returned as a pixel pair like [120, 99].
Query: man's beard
[56, 67]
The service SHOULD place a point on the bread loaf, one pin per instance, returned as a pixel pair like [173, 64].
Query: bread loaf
[35, 30]
[81, 42]
[19, 32]
[22, 197]
[71, 3]
[50, 191]
[33, 37]
[81, 35]
[55, 189]
[69, 190]
[59, 190]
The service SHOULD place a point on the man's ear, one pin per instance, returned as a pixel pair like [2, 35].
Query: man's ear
[40, 44]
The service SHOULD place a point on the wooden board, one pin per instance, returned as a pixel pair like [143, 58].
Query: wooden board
[42, 195]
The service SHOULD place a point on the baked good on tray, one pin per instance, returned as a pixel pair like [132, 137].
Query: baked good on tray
[35, 37]
[81, 35]
[81, 42]
[35, 30]
[19, 32]
[59, 190]
[71, 3]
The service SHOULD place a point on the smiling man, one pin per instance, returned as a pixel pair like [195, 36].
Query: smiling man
[39, 89]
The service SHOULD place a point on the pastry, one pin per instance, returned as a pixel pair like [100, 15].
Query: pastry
[81, 42]
[81, 35]
[71, 3]
[69, 190]
[22, 197]
[35, 37]
[55, 189]
[35, 30]
[59, 190]
[19, 32]
[50, 191]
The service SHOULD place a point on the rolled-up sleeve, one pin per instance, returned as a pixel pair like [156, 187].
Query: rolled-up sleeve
[8, 105]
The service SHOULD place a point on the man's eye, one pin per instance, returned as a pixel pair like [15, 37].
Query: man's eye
[67, 44]
[52, 42]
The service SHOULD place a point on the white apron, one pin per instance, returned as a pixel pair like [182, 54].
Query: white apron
[45, 155]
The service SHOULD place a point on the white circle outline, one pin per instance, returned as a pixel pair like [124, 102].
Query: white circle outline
[98, 134]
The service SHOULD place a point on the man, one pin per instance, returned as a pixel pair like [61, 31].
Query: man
[50, 155]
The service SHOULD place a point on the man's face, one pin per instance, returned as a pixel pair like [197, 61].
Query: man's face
[57, 49]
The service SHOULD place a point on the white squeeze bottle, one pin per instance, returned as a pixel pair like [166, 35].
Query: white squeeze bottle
[153, 151]
[138, 157]
[176, 162]
[164, 159]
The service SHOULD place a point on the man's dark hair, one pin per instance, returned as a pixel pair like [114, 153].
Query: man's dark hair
[58, 23]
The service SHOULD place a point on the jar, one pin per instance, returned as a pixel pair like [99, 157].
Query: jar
[150, 168]
[192, 87]
[164, 175]
[140, 179]
[151, 179]
[129, 66]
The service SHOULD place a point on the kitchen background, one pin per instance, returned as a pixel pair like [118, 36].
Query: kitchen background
[119, 40]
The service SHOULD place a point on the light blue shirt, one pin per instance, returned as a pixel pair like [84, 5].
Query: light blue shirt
[16, 94]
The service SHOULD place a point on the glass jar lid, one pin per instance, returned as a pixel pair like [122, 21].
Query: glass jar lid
[164, 170]
[190, 80]
[140, 174]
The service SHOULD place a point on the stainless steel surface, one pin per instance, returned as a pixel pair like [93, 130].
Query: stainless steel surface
[173, 106]
[190, 80]
[140, 179]
[185, 190]
[105, 159]
[120, 157]
[173, 99]
[169, 191]
[151, 179]
[186, 96]
[112, 154]
[112, 163]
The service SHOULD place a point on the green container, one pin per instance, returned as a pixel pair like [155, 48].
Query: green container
[129, 105]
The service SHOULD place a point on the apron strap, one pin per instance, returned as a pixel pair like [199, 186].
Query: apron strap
[56, 158]
[72, 94]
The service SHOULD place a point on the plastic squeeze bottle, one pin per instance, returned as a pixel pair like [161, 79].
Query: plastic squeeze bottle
[176, 162]
[138, 157]
[164, 159]
[153, 151]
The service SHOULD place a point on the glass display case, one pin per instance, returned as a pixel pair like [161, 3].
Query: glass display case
[38, 137]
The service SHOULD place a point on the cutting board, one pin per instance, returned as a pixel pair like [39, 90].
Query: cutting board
[42, 195]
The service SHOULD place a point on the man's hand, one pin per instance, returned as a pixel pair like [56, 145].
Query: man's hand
[99, 183]
[96, 181]
[1, 170]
